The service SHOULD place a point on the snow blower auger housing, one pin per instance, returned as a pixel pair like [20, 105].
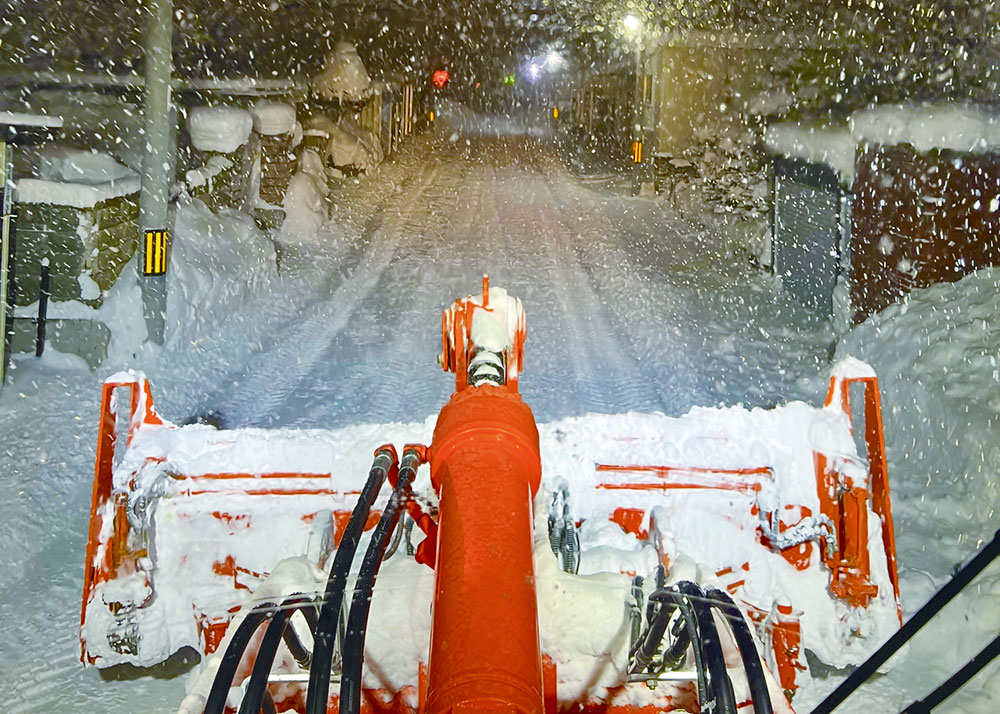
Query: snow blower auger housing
[607, 564]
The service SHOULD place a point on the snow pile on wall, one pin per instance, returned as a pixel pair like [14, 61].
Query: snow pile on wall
[937, 355]
[203, 174]
[344, 76]
[273, 118]
[221, 129]
[305, 201]
[938, 126]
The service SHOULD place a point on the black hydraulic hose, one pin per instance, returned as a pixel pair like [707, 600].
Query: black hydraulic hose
[357, 620]
[325, 632]
[719, 687]
[267, 706]
[941, 598]
[216, 702]
[957, 680]
[684, 637]
[294, 644]
[759, 694]
[649, 640]
[253, 697]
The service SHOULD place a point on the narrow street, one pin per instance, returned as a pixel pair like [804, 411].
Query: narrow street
[624, 301]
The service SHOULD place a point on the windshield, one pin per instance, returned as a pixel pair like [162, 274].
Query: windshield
[739, 260]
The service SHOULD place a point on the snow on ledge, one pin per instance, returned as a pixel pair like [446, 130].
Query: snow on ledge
[22, 119]
[76, 195]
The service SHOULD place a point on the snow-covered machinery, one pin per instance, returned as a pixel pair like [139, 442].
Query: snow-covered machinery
[626, 564]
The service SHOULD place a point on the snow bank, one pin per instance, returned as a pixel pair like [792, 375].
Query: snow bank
[937, 355]
[344, 76]
[221, 129]
[273, 118]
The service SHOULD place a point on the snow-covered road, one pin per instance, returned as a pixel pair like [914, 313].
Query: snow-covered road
[628, 308]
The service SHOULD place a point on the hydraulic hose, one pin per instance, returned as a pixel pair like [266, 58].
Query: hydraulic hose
[651, 637]
[684, 637]
[748, 650]
[216, 702]
[267, 706]
[719, 687]
[293, 642]
[325, 633]
[357, 620]
[257, 686]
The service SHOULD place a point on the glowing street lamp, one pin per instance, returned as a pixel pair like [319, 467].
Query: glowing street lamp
[632, 24]
[553, 61]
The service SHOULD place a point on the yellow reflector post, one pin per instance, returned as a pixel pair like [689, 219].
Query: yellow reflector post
[154, 252]
[637, 152]
[555, 112]
[431, 115]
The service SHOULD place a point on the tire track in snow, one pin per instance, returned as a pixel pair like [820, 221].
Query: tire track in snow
[273, 376]
[386, 368]
[605, 378]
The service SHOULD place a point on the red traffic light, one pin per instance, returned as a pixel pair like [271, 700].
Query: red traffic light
[440, 78]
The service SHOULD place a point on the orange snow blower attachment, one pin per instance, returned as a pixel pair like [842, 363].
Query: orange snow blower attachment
[485, 461]
[688, 563]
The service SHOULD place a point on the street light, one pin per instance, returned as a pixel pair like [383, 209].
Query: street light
[632, 24]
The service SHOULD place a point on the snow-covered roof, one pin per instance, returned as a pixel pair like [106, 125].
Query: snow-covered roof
[938, 126]
[68, 164]
[77, 195]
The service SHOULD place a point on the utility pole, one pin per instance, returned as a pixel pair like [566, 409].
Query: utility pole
[157, 168]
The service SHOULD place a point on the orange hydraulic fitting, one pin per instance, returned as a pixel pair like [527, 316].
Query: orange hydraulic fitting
[486, 469]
